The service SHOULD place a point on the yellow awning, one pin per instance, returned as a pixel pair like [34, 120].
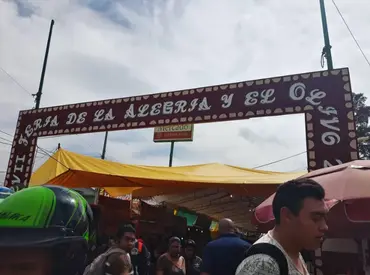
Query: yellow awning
[73, 170]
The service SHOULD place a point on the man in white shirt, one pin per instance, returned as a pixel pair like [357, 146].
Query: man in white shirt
[300, 217]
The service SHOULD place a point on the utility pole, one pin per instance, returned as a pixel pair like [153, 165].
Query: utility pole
[97, 190]
[104, 145]
[326, 52]
[171, 153]
[39, 92]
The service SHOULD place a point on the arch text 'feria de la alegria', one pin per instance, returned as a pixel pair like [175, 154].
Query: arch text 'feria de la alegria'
[324, 97]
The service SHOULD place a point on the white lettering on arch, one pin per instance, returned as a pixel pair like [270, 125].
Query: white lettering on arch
[180, 106]
[226, 100]
[203, 105]
[315, 97]
[297, 91]
[329, 164]
[168, 108]
[251, 98]
[102, 115]
[143, 110]
[156, 109]
[130, 112]
[267, 96]
[330, 138]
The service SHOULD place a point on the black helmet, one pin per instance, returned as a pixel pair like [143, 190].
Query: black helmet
[48, 216]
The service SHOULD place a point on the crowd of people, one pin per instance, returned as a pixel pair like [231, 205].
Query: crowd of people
[48, 230]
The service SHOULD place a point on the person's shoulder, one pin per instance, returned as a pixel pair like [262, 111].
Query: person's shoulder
[213, 242]
[259, 264]
[162, 262]
[237, 242]
[243, 242]
[267, 239]
[163, 257]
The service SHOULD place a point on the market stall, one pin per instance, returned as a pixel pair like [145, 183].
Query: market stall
[74, 170]
[215, 190]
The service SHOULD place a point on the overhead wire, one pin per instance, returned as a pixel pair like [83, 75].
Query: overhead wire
[351, 33]
[39, 150]
[5, 143]
[15, 81]
[279, 160]
[9, 142]
[52, 157]
[5, 133]
[298, 170]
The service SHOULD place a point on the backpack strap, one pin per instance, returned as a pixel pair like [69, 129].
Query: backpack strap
[273, 252]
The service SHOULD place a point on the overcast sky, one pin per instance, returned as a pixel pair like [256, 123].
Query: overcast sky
[105, 49]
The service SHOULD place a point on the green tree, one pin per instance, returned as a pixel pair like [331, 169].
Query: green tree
[362, 114]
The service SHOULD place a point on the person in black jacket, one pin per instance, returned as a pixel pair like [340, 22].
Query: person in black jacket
[193, 262]
[140, 258]
[139, 254]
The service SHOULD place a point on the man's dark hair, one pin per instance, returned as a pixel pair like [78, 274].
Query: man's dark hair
[125, 228]
[173, 240]
[292, 193]
[190, 243]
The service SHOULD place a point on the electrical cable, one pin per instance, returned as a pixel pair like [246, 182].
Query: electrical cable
[280, 160]
[350, 31]
[297, 170]
[52, 157]
[15, 81]
[5, 143]
[6, 133]
[7, 140]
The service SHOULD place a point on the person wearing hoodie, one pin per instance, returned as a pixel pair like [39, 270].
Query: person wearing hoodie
[193, 262]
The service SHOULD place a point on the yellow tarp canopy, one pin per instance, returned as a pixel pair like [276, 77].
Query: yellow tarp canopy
[74, 170]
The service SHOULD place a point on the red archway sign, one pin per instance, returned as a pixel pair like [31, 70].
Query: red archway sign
[324, 97]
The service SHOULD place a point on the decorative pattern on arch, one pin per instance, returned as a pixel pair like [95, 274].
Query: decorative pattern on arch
[324, 97]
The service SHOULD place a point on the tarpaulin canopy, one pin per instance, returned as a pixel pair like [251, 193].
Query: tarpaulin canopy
[74, 170]
[191, 218]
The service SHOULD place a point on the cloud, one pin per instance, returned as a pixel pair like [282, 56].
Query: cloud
[254, 137]
[106, 49]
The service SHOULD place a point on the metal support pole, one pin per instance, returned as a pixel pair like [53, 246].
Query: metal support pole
[39, 92]
[97, 191]
[326, 52]
[104, 146]
[171, 153]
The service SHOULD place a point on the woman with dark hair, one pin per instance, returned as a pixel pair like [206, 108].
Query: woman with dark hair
[193, 262]
[171, 263]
